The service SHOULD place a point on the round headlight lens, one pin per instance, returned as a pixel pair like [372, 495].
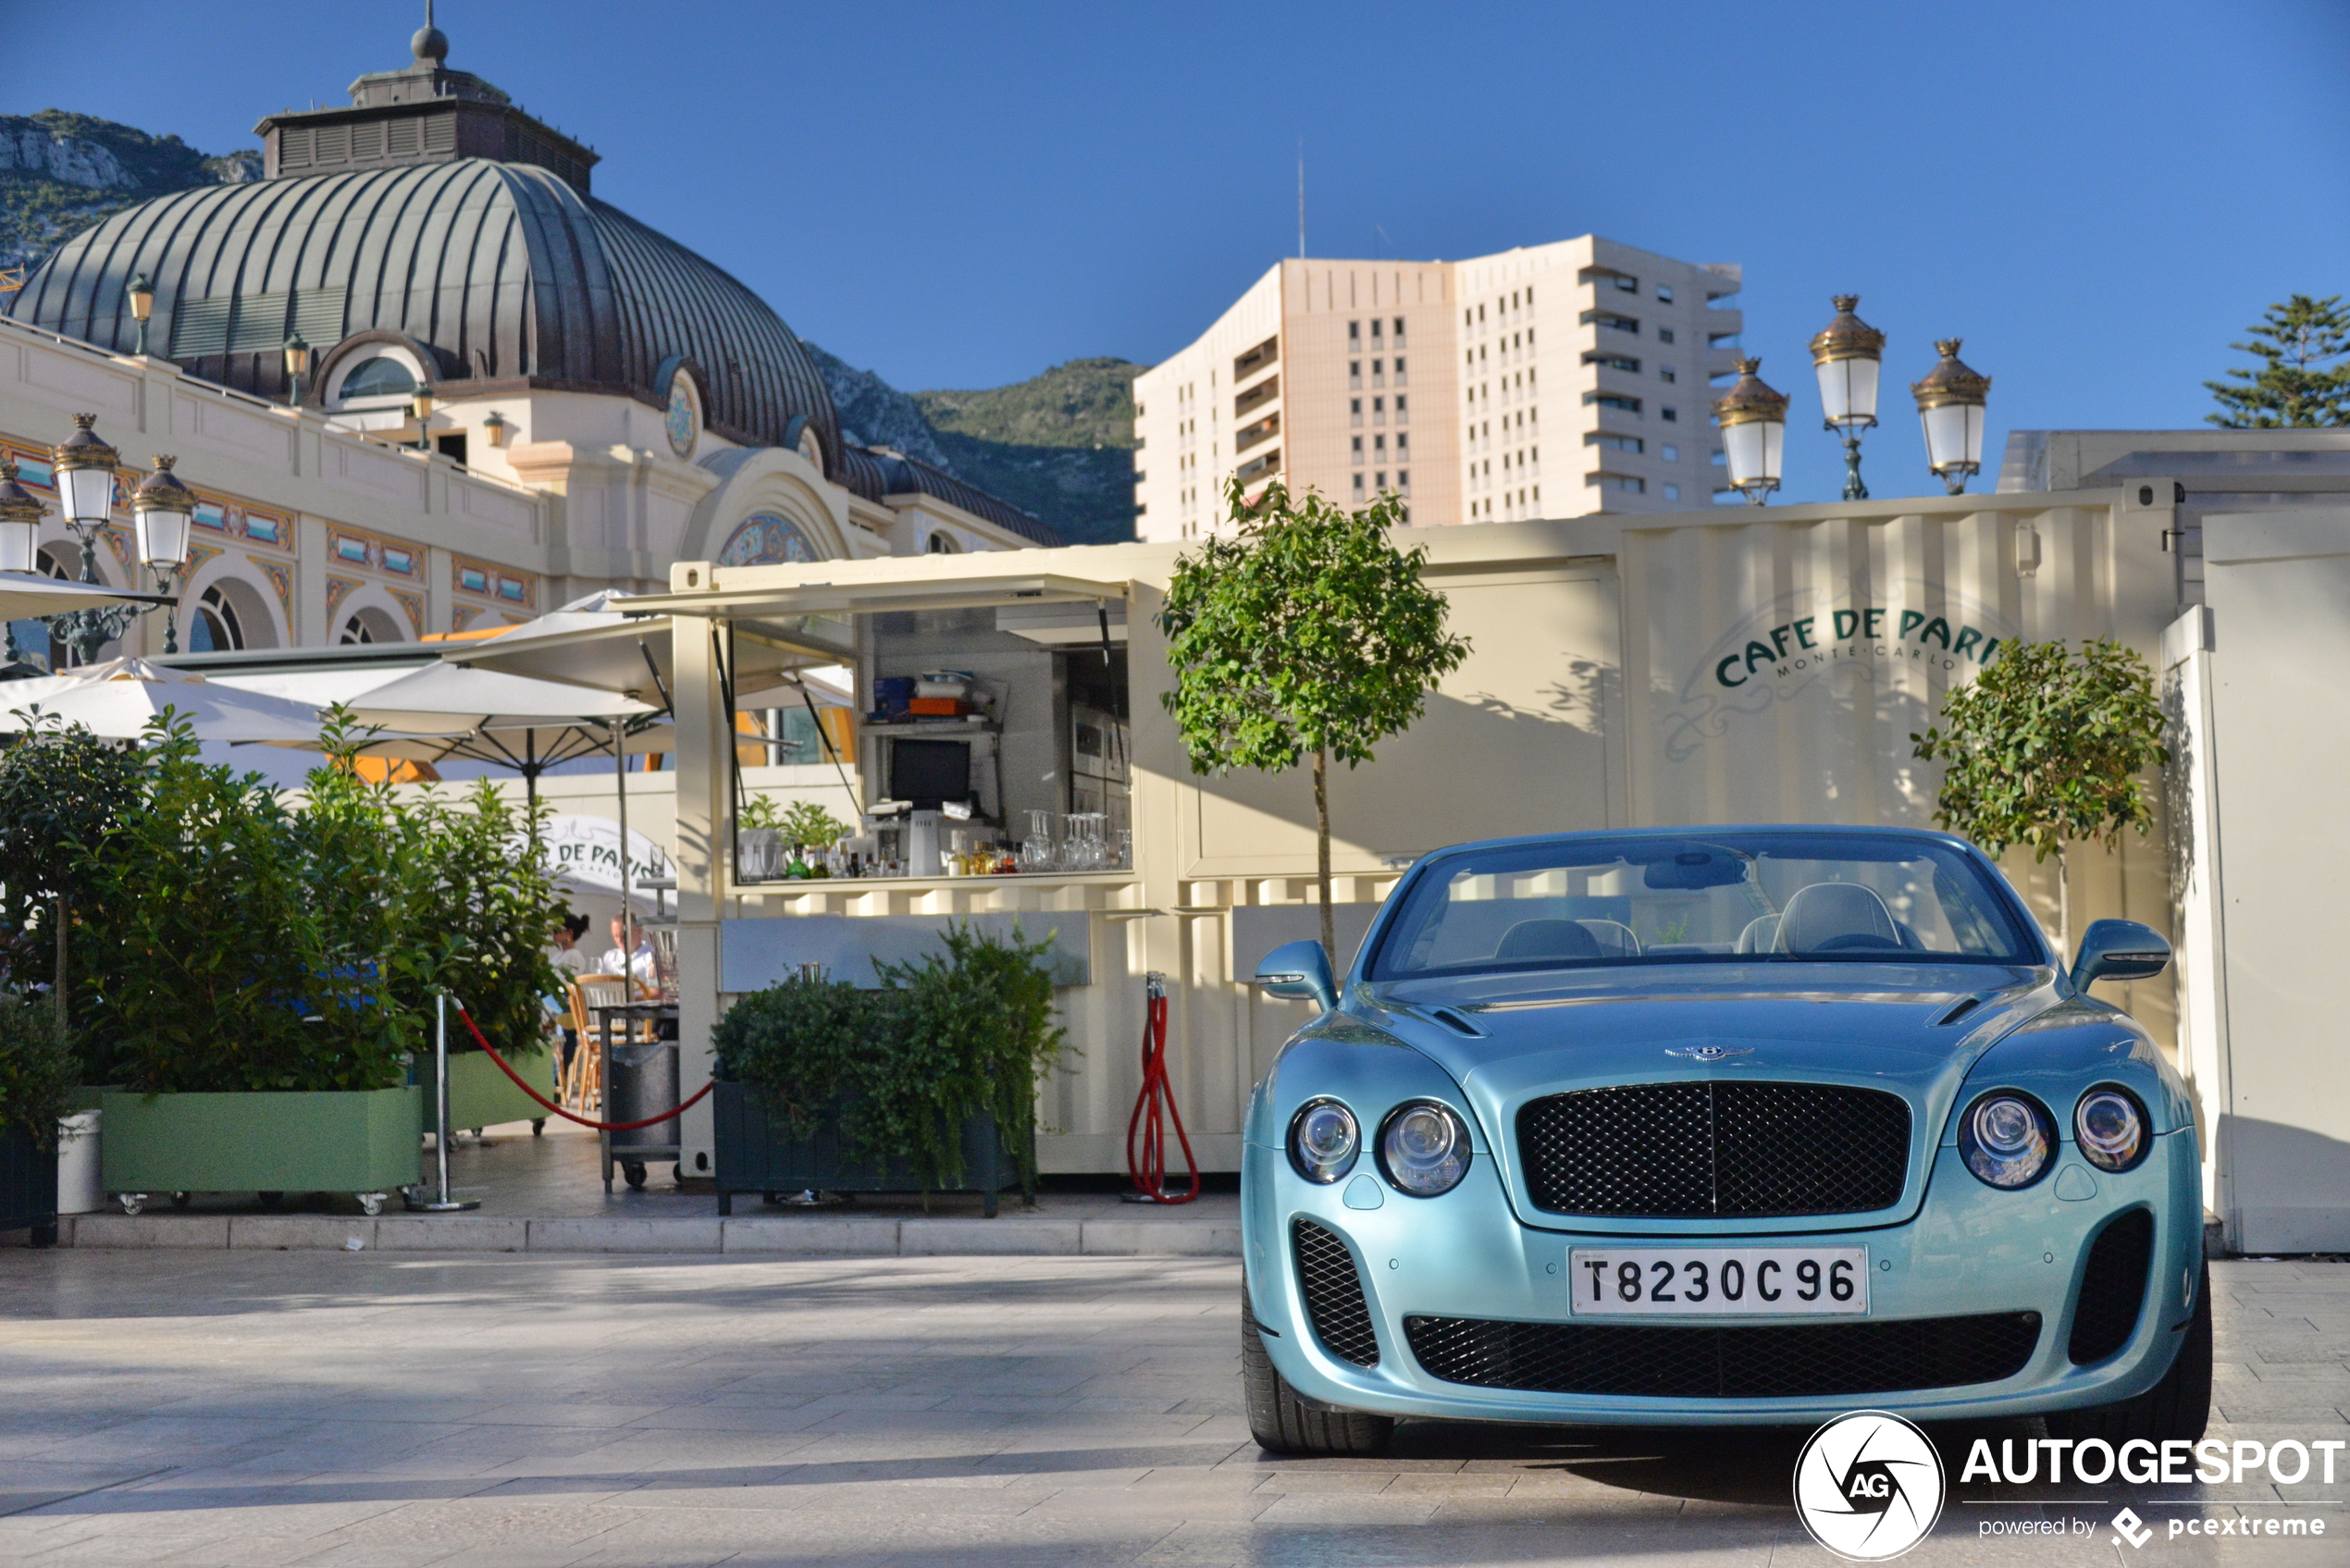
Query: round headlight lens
[2110, 1128]
[1323, 1141]
[1424, 1148]
[2006, 1139]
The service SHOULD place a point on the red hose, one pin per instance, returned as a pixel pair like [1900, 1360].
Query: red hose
[599, 1125]
[1149, 1170]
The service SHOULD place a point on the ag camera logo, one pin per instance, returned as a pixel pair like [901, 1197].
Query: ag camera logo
[1868, 1486]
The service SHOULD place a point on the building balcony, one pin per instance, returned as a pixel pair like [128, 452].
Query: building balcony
[1263, 392]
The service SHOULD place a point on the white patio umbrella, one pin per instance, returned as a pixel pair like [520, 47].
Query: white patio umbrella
[25, 596]
[116, 700]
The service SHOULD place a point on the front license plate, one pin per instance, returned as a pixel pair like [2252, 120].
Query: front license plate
[1718, 1281]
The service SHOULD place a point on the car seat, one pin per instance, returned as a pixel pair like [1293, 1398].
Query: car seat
[1836, 916]
[1547, 939]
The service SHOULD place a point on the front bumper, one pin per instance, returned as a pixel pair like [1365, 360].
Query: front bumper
[1970, 1250]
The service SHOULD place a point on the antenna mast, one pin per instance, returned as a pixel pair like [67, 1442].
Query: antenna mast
[1301, 198]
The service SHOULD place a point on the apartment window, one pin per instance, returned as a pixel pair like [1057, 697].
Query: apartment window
[1354, 332]
[1358, 487]
[1399, 329]
[1402, 408]
[1379, 480]
[1354, 372]
[1468, 317]
[1669, 414]
[1375, 325]
[1354, 411]
[1613, 361]
[1611, 399]
[1664, 334]
[1629, 285]
[1404, 481]
[1402, 444]
[1358, 448]
[1616, 482]
[1664, 373]
[1378, 448]
[1672, 492]
[1469, 355]
[1379, 372]
[1481, 313]
[1399, 370]
[1671, 453]
[1610, 320]
[1665, 292]
[1378, 411]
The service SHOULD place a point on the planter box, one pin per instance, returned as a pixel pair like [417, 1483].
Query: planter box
[757, 1155]
[479, 1096]
[28, 1187]
[364, 1141]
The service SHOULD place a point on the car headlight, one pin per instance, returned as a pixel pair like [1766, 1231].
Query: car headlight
[1424, 1147]
[2007, 1139]
[1323, 1141]
[2110, 1126]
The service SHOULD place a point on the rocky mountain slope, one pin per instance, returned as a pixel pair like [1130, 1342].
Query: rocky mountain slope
[61, 172]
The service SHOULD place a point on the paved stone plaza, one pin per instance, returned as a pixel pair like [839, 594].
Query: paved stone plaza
[516, 1410]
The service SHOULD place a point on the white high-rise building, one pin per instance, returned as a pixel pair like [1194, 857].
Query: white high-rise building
[1436, 379]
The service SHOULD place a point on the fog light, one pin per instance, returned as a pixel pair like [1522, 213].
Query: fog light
[1323, 1141]
[2110, 1128]
[1424, 1148]
[2006, 1139]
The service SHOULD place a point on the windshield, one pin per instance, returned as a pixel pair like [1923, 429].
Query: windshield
[1762, 896]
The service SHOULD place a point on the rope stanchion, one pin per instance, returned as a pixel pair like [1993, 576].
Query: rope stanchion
[585, 1121]
[1148, 1167]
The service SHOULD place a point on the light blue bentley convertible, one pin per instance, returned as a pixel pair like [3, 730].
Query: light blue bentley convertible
[1712, 1126]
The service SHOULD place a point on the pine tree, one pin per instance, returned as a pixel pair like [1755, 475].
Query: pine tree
[2300, 383]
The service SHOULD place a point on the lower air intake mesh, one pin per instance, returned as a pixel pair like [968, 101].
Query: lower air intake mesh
[1333, 1294]
[2113, 1287]
[1780, 1361]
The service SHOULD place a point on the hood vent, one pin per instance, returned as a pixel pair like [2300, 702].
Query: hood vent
[1456, 1022]
[1966, 1004]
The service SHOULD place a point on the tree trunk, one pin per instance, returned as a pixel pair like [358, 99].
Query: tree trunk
[1322, 848]
[2064, 909]
[58, 990]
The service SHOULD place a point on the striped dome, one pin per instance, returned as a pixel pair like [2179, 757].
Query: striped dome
[504, 271]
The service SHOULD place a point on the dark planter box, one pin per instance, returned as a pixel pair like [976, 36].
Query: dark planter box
[757, 1155]
[28, 1187]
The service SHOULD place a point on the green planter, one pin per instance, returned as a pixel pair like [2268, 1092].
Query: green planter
[757, 1154]
[361, 1142]
[28, 1187]
[479, 1096]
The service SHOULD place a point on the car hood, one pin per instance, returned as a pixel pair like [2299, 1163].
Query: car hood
[1911, 1031]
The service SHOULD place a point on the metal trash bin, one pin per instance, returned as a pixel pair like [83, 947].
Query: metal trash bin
[640, 1080]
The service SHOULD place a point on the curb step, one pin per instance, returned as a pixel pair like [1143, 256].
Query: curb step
[861, 1237]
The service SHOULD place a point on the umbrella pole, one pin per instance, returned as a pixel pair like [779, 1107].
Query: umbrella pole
[627, 886]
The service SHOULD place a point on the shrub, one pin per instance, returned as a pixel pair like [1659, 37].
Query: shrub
[38, 1068]
[944, 1039]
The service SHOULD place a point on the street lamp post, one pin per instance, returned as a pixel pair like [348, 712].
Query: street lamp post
[20, 514]
[143, 305]
[1951, 402]
[297, 366]
[1753, 421]
[420, 404]
[162, 511]
[85, 469]
[1848, 354]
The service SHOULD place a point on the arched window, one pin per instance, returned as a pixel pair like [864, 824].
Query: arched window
[943, 543]
[380, 377]
[215, 628]
[369, 626]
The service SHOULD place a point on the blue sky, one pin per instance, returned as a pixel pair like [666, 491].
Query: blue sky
[2098, 197]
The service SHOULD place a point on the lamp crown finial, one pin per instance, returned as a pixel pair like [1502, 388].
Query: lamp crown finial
[1845, 302]
[164, 463]
[1946, 347]
[1747, 366]
[84, 421]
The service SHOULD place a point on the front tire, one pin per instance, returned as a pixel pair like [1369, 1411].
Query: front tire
[2175, 1410]
[1281, 1422]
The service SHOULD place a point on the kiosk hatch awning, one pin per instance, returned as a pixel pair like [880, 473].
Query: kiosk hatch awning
[909, 588]
[631, 654]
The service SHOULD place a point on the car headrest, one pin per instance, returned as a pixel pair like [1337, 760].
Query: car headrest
[1821, 913]
[1547, 939]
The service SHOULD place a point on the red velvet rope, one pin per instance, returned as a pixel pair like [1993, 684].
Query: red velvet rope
[584, 1121]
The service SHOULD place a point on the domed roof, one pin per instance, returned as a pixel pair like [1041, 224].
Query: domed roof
[504, 271]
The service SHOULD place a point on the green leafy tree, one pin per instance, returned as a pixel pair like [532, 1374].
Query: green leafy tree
[1309, 632]
[485, 916]
[59, 787]
[2301, 382]
[38, 1068]
[2047, 748]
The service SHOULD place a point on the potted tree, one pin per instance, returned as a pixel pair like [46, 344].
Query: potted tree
[241, 962]
[927, 1084]
[38, 1071]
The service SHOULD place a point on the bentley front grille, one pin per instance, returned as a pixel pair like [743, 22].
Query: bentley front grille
[1780, 1361]
[1333, 1294]
[1719, 1149]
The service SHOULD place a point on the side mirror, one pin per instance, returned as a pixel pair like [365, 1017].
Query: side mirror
[2120, 950]
[1298, 972]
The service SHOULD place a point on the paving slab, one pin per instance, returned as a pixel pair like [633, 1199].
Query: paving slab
[250, 1405]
